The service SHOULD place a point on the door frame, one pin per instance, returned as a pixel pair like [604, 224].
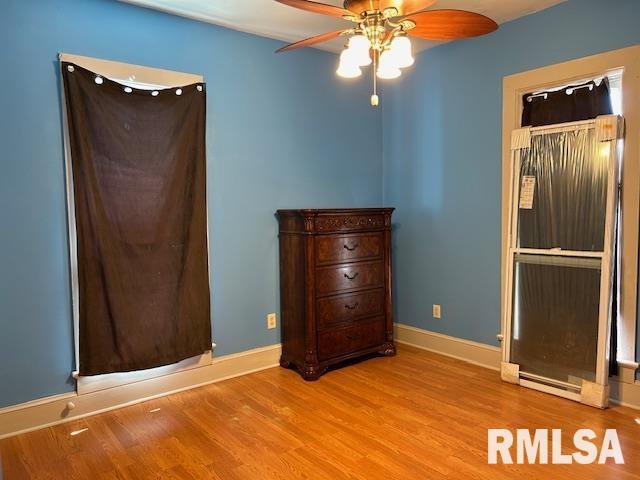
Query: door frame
[627, 61]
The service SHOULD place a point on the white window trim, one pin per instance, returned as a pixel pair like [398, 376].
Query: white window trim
[139, 77]
[515, 86]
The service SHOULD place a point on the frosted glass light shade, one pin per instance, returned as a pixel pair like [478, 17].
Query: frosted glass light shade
[387, 69]
[401, 52]
[388, 73]
[348, 68]
[359, 49]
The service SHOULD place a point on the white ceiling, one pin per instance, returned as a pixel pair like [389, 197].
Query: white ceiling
[271, 19]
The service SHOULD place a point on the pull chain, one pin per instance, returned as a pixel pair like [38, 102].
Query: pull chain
[374, 98]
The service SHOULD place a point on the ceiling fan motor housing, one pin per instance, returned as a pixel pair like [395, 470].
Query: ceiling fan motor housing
[362, 6]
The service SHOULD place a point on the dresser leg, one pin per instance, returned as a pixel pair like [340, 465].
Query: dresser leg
[284, 363]
[388, 350]
[312, 372]
[309, 372]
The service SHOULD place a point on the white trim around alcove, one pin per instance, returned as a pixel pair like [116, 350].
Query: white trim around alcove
[128, 72]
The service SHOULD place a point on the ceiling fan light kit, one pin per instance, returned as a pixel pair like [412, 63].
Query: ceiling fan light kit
[348, 67]
[359, 50]
[400, 52]
[381, 30]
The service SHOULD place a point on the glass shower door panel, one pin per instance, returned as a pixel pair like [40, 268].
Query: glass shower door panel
[555, 315]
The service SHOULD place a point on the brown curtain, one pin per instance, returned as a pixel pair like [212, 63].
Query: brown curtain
[140, 205]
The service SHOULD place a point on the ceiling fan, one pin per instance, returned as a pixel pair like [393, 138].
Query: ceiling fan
[381, 30]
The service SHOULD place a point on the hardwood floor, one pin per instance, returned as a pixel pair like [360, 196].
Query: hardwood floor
[418, 415]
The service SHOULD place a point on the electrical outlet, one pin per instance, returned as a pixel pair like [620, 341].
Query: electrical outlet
[271, 321]
[436, 311]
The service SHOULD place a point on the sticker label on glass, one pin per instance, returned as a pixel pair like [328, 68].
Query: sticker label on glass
[527, 190]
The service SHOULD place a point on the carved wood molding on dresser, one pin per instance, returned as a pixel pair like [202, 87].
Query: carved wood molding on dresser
[335, 286]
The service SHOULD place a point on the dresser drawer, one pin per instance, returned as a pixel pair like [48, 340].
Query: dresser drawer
[345, 248]
[349, 307]
[352, 276]
[350, 339]
[345, 223]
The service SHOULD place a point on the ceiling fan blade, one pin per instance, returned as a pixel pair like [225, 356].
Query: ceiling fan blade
[450, 24]
[316, 7]
[404, 7]
[307, 42]
[414, 6]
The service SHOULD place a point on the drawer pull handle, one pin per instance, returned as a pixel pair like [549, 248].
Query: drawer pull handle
[351, 307]
[346, 275]
[351, 337]
[351, 249]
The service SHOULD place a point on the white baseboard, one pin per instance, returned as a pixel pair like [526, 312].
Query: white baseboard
[625, 390]
[53, 410]
[476, 353]
[625, 394]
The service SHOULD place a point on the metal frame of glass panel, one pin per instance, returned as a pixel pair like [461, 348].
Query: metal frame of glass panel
[604, 257]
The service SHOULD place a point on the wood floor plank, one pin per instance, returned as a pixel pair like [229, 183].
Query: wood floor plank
[417, 415]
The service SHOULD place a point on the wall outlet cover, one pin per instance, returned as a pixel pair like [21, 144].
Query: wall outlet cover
[271, 321]
[436, 311]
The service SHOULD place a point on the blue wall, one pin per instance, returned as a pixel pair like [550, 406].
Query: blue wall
[282, 132]
[442, 158]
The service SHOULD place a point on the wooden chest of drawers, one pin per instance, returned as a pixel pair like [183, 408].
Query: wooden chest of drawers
[335, 286]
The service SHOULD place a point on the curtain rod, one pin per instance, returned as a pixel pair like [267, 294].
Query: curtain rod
[568, 91]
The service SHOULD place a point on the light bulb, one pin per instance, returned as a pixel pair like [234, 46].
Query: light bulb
[387, 69]
[401, 52]
[347, 67]
[359, 49]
